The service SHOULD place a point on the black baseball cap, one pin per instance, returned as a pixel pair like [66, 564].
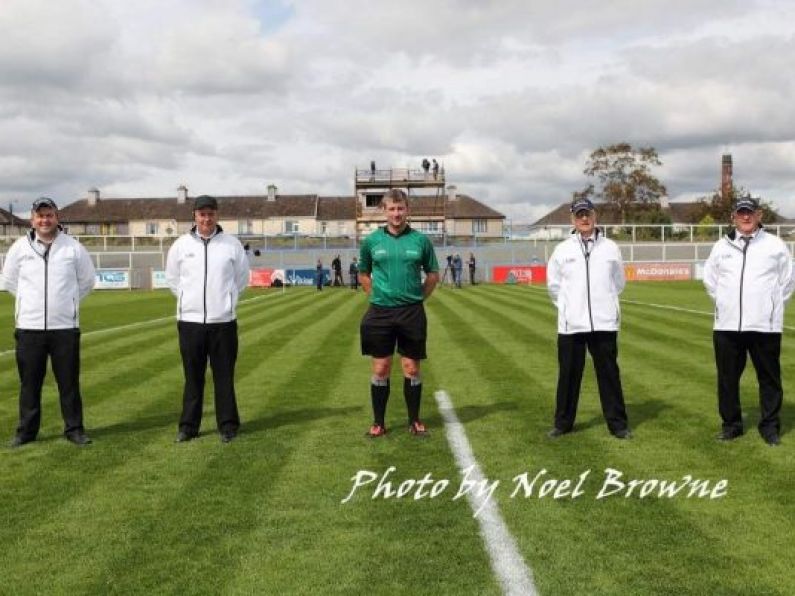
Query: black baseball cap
[582, 205]
[44, 202]
[205, 202]
[746, 203]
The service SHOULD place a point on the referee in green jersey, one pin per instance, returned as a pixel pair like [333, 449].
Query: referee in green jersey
[391, 260]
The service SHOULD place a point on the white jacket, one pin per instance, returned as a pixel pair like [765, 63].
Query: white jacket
[48, 283]
[207, 276]
[585, 288]
[749, 290]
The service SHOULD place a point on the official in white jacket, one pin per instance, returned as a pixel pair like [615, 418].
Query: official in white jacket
[749, 276]
[585, 276]
[207, 270]
[49, 273]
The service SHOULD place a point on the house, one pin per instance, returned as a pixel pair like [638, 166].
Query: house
[274, 214]
[11, 225]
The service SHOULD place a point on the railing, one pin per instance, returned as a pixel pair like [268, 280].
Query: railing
[642, 232]
[399, 175]
[628, 234]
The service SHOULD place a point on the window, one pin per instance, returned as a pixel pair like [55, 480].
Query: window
[479, 226]
[92, 229]
[245, 226]
[430, 227]
[151, 228]
[373, 200]
[323, 227]
[290, 227]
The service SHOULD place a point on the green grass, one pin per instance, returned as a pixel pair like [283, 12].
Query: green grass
[135, 513]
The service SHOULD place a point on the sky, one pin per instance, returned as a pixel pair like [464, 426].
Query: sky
[136, 98]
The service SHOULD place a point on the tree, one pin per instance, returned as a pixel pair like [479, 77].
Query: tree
[624, 176]
[721, 208]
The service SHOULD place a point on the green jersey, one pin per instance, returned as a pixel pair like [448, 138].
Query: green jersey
[394, 264]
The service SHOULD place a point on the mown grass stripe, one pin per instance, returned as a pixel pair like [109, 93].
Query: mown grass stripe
[228, 536]
[165, 361]
[579, 448]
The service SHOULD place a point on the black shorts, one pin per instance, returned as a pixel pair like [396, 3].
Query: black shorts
[383, 327]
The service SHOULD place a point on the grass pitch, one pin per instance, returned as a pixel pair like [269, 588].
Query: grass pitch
[136, 513]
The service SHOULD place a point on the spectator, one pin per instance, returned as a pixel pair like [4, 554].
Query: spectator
[472, 264]
[336, 265]
[353, 271]
[458, 267]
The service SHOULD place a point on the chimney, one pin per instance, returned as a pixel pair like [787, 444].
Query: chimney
[272, 192]
[451, 192]
[93, 196]
[726, 177]
[182, 194]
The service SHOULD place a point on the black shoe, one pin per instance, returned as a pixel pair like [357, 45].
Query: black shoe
[556, 432]
[624, 433]
[729, 434]
[228, 436]
[78, 438]
[18, 441]
[183, 436]
[772, 440]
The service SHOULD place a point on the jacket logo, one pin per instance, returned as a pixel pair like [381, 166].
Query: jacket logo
[189, 255]
[412, 252]
[379, 251]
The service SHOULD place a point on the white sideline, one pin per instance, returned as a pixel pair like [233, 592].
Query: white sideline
[139, 324]
[513, 574]
[668, 307]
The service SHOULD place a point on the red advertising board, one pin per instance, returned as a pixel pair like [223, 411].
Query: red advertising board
[659, 272]
[260, 278]
[519, 274]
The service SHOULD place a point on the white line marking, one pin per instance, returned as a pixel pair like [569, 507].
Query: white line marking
[143, 323]
[670, 307]
[513, 574]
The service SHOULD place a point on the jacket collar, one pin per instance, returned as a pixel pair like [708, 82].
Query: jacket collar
[195, 234]
[732, 236]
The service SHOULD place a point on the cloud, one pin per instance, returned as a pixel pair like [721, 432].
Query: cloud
[512, 96]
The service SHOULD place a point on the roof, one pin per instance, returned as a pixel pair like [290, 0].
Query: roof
[608, 214]
[7, 218]
[463, 207]
[111, 210]
[336, 208]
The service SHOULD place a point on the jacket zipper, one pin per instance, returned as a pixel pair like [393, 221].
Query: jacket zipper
[588, 286]
[586, 253]
[742, 275]
[46, 257]
[206, 243]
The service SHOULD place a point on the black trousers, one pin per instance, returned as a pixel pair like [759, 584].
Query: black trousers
[571, 361]
[32, 349]
[197, 343]
[731, 351]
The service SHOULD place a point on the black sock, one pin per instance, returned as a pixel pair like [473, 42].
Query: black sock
[379, 394]
[412, 391]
